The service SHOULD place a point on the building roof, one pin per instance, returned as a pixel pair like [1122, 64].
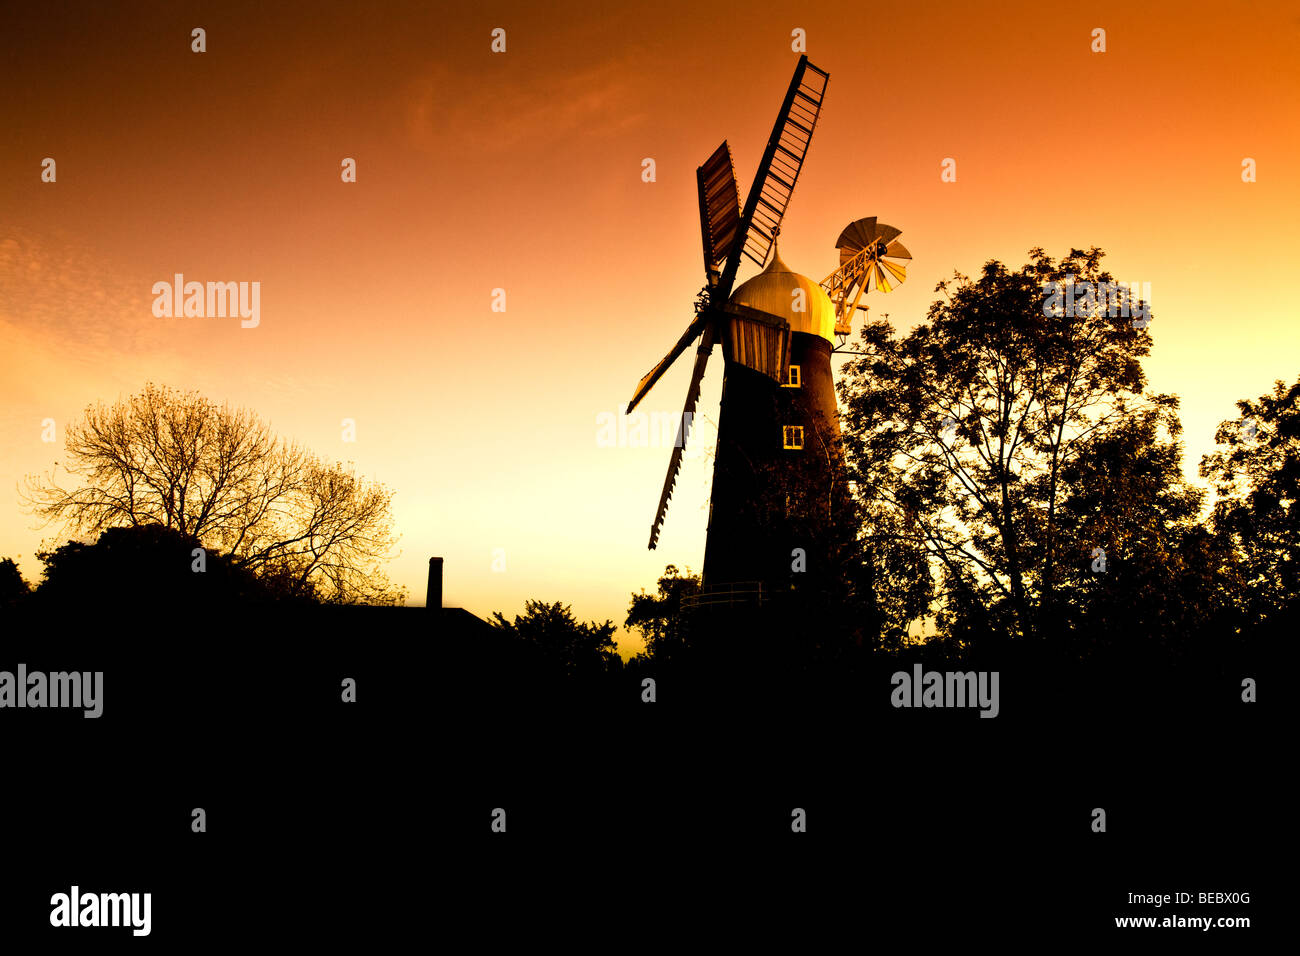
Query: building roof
[773, 291]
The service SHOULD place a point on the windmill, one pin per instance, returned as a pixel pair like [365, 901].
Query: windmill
[778, 397]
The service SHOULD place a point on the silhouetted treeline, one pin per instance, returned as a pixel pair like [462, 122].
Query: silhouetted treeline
[145, 567]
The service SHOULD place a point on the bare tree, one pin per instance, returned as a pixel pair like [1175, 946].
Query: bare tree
[176, 459]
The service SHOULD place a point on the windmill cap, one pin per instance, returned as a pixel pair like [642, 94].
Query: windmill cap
[773, 291]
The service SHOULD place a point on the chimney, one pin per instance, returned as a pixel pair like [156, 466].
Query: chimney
[433, 597]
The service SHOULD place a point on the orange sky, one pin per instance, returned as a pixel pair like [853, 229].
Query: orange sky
[522, 171]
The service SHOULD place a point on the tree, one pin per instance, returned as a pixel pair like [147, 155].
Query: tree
[150, 568]
[1255, 473]
[658, 617]
[13, 589]
[578, 649]
[962, 432]
[217, 474]
[1142, 575]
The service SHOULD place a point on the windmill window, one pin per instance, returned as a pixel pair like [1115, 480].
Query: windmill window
[793, 436]
[793, 378]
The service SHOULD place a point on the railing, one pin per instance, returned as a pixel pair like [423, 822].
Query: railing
[727, 595]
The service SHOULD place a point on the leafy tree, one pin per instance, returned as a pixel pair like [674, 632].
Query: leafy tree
[962, 433]
[217, 474]
[1139, 572]
[153, 568]
[13, 589]
[1255, 473]
[658, 617]
[579, 649]
[897, 581]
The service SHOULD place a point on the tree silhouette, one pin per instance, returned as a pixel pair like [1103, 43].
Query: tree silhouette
[578, 649]
[1166, 577]
[964, 432]
[150, 569]
[658, 617]
[13, 589]
[1255, 472]
[217, 474]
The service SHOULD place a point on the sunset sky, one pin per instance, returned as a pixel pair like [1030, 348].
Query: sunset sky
[522, 171]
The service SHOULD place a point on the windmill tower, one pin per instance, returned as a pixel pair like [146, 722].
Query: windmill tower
[778, 466]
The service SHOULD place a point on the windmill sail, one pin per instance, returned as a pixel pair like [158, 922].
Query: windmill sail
[647, 382]
[683, 430]
[719, 209]
[782, 160]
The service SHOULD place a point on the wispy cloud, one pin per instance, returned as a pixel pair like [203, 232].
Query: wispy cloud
[66, 313]
[446, 112]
